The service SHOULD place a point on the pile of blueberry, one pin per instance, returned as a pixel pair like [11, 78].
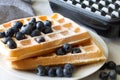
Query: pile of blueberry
[19, 31]
[113, 71]
[66, 48]
[65, 71]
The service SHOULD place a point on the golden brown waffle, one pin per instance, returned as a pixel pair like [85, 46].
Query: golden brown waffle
[91, 52]
[64, 31]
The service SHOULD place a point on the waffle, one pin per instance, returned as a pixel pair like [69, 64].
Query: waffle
[91, 52]
[64, 31]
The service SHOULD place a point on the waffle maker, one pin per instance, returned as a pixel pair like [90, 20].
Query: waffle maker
[101, 15]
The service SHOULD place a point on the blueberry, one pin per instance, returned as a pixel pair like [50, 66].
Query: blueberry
[60, 52]
[15, 29]
[24, 29]
[47, 23]
[18, 24]
[6, 39]
[59, 71]
[19, 36]
[52, 72]
[118, 69]
[76, 50]
[69, 66]
[47, 69]
[41, 71]
[40, 25]
[27, 29]
[32, 20]
[103, 75]
[2, 34]
[111, 65]
[40, 39]
[67, 47]
[104, 66]
[113, 75]
[35, 33]
[9, 32]
[11, 44]
[67, 72]
[32, 25]
[47, 30]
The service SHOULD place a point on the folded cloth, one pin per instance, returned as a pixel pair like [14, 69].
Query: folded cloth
[29, 1]
[14, 9]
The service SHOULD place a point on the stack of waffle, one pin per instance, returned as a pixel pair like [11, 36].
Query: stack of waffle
[29, 54]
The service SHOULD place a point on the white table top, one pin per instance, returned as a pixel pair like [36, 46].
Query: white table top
[113, 45]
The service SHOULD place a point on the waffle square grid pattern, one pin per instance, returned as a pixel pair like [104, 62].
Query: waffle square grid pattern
[90, 53]
[63, 32]
[29, 54]
[108, 8]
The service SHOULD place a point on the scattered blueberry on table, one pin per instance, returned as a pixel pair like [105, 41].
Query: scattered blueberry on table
[113, 75]
[118, 69]
[112, 71]
[111, 65]
[103, 75]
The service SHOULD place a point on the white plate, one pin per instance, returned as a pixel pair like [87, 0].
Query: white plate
[80, 73]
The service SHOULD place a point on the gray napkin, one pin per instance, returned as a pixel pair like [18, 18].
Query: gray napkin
[15, 9]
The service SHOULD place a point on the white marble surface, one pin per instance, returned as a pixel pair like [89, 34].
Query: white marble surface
[42, 7]
[114, 55]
